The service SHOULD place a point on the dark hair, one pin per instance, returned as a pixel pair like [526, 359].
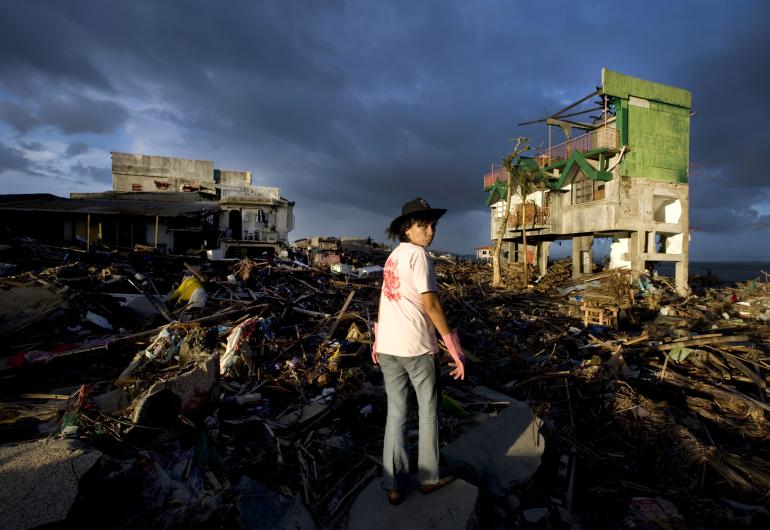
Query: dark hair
[406, 224]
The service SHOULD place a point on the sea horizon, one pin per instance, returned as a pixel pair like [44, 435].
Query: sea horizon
[727, 271]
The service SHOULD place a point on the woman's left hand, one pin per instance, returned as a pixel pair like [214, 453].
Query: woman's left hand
[452, 341]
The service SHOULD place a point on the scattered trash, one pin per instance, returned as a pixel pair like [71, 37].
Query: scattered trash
[191, 292]
[267, 388]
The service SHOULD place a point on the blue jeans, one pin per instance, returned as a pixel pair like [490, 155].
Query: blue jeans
[398, 372]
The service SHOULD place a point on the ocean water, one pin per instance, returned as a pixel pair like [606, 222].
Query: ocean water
[726, 271]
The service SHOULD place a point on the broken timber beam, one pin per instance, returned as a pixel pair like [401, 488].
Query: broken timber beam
[701, 342]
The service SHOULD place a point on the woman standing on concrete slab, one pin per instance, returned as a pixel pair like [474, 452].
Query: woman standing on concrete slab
[406, 348]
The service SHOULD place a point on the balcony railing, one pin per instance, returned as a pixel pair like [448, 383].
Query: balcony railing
[603, 137]
[263, 236]
[498, 174]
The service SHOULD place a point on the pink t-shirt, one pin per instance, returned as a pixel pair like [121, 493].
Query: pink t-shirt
[404, 328]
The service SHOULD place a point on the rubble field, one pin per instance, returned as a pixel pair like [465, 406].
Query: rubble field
[248, 398]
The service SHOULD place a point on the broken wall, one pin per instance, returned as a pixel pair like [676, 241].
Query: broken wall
[132, 170]
[229, 177]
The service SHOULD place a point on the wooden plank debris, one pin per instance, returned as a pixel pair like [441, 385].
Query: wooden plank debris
[660, 393]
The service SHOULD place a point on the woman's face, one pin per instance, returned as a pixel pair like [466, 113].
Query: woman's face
[421, 232]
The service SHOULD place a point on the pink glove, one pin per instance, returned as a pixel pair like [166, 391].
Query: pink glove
[375, 357]
[452, 341]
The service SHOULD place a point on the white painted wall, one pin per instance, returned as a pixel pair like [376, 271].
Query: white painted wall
[673, 212]
[278, 221]
[674, 244]
[618, 248]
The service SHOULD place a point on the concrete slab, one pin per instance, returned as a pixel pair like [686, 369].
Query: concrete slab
[449, 508]
[505, 449]
[39, 481]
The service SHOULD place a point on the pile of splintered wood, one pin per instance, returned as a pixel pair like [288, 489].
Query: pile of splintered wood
[675, 407]
[671, 405]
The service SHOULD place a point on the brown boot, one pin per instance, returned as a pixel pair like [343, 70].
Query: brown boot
[430, 488]
[394, 497]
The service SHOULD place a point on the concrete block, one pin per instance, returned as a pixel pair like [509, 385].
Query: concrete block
[39, 481]
[450, 508]
[503, 450]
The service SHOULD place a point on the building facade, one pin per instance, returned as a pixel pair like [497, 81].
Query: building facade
[250, 219]
[485, 253]
[625, 176]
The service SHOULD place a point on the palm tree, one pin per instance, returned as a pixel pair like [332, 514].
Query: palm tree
[524, 175]
[522, 145]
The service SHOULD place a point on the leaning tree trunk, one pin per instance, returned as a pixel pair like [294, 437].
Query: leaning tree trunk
[497, 280]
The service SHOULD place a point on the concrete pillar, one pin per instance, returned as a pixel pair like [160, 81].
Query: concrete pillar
[543, 249]
[682, 268]
[576, 268]
[651, 246]
[582, 255]
[506, 253]
[636, 251]
[519, 252]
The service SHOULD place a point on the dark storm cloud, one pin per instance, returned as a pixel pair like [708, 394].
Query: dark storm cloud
[343, 102]
[44, 43]
[100, 175]
[729, 84]
[406, 116]
[77, 148]
[716, 206]
[12, 159]
[71, 113]
[18, 116]
[78, 114]
[728, 141]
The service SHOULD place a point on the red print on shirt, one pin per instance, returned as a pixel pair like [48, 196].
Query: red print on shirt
[390, 281]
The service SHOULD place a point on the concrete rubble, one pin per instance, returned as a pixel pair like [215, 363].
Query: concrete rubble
[450, 508]
[504, 450]
[39, 481]
[262, 408]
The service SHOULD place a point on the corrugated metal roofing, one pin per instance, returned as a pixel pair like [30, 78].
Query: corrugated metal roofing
[51, 203]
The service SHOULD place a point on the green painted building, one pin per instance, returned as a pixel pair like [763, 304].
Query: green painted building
[654, 121]
[621, 171]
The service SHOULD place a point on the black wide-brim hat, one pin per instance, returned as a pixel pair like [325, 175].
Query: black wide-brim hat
[418, 207]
